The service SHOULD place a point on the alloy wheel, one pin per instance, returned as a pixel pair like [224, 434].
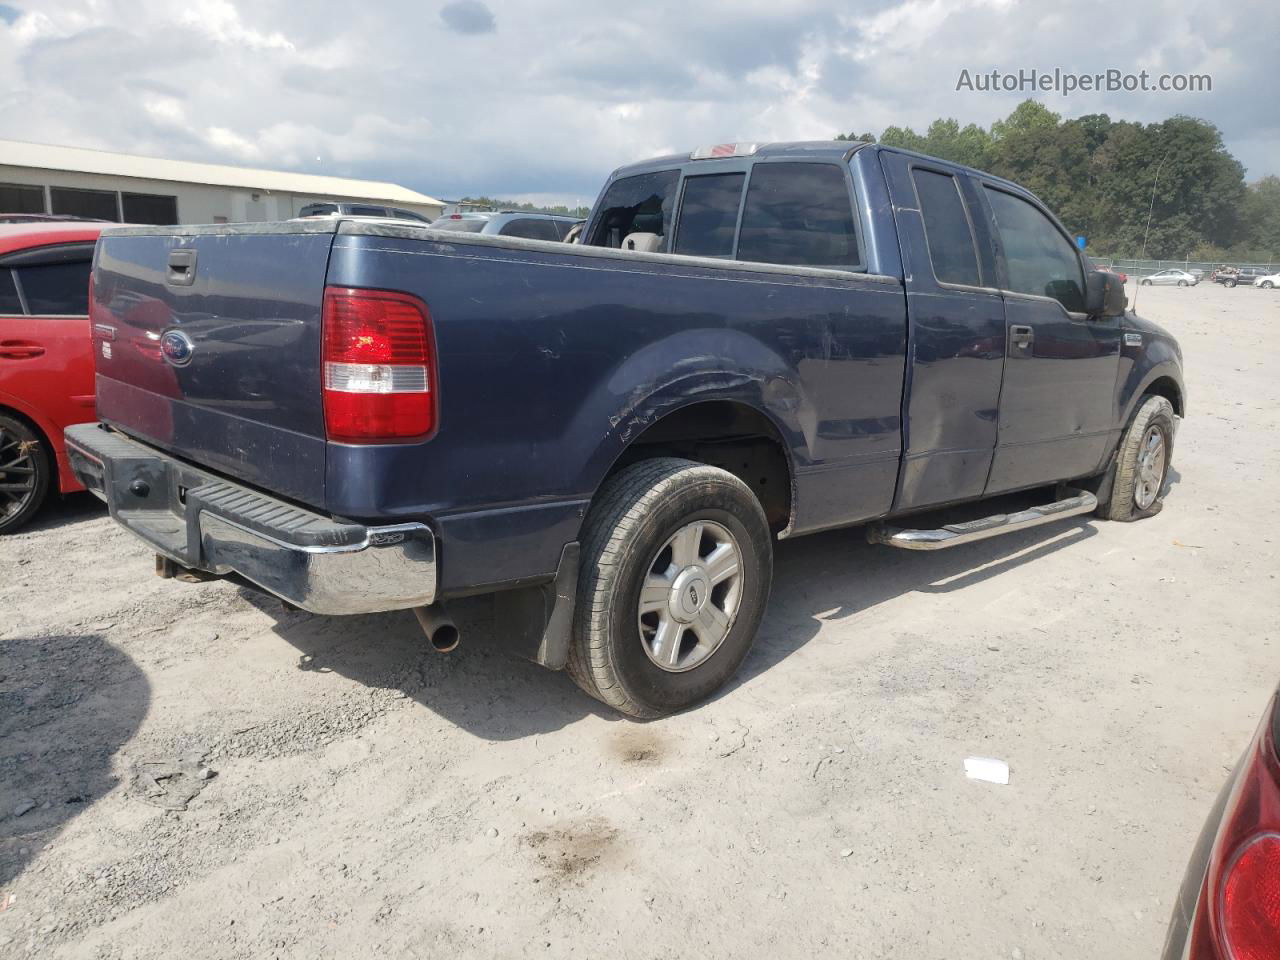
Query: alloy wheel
[690, 596]
[1151, 464]
[17, 473]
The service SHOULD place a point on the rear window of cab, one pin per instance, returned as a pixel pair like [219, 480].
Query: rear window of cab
[783, 212]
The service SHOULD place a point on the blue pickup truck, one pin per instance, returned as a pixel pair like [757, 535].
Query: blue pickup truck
[752, 341]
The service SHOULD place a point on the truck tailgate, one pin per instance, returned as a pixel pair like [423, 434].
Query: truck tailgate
[207, 342]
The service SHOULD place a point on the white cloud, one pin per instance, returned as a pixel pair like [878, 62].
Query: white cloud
[558, 93]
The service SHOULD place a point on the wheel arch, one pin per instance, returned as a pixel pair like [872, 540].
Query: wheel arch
[1165, 386]
[730, 433]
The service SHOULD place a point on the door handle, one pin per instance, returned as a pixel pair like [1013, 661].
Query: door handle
[1021, 337]
[20, 349]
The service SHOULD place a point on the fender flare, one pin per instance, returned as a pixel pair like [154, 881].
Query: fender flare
[759, 380]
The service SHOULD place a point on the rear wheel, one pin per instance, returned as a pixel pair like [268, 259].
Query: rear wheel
[1146, 283]
[24, 473]
[1142, 463]
[1182, 283]
[1231, 283]
[677, 561]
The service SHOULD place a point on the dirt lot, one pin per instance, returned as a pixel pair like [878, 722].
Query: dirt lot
[349, 792]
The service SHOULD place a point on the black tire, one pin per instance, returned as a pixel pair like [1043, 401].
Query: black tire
[635, 514]
[1266, 284]
[1182, 283]
[1146, 283]
[24, 463]
[1230, 284]
[1124, 500]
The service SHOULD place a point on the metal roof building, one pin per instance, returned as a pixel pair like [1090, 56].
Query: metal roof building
[41, 178]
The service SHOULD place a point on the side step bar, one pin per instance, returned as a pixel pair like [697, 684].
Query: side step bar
[954, 534]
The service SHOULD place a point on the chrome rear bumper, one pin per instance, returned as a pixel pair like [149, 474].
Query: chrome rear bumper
[203, 522]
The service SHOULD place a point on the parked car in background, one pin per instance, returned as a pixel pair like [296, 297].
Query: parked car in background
[1170, 278]
[360, 210]
[1267, 281]
[753, 342]
[1229, 905]
[1237, 276]
[46, 365]
[509, 223]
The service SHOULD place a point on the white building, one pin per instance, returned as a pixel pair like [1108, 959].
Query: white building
[40, 178]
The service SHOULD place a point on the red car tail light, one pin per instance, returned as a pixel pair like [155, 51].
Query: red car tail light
[1242, 886]
[1251, 901]
[379, 367]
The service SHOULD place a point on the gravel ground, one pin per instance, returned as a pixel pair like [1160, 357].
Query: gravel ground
[189, 770]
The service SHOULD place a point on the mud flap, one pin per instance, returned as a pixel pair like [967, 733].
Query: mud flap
[537, 622]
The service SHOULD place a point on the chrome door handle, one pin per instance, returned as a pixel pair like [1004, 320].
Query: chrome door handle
[1021, 336]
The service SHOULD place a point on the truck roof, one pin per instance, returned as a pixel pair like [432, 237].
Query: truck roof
[825, 150]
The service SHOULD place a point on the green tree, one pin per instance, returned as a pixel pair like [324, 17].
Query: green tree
[1197, 196]
[1098, 175]
[1260, 215]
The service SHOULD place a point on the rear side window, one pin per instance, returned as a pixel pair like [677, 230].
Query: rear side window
[9, 302]
[1040, 260]
[640, 204]
[318, 209]
[946, 226]
[531, 229]
[709, 214]
[56, 289]
[358, 210]
[799, 214]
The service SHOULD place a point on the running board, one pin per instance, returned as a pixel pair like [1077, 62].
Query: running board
[954, 534]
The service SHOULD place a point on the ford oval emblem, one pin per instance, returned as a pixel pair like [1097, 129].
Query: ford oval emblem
[177, 348]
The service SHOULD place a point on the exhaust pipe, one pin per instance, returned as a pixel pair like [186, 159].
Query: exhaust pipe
[442, 632]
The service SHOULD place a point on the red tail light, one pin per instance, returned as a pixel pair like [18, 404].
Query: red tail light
[1243, 882]
[1251, 901]
[379, 367]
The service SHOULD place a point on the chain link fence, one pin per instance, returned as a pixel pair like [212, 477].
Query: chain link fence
[1144, 268]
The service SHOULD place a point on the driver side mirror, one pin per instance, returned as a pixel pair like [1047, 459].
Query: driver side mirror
[1104, 294]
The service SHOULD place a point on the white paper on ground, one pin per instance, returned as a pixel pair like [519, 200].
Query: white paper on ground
[986, 768]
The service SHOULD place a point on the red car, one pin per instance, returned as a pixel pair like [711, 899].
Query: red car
[46, 359]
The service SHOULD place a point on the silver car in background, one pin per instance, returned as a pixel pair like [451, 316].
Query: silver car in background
[1170, 278]
[509, 223]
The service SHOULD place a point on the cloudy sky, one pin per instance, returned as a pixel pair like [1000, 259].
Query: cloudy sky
[540, 99]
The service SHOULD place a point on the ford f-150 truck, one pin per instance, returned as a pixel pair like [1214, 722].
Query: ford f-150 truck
[752, 342]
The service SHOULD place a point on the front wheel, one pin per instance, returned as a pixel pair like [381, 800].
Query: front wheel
[677, 561]
[1142, 463]
[1267, 284]
[24, 473]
